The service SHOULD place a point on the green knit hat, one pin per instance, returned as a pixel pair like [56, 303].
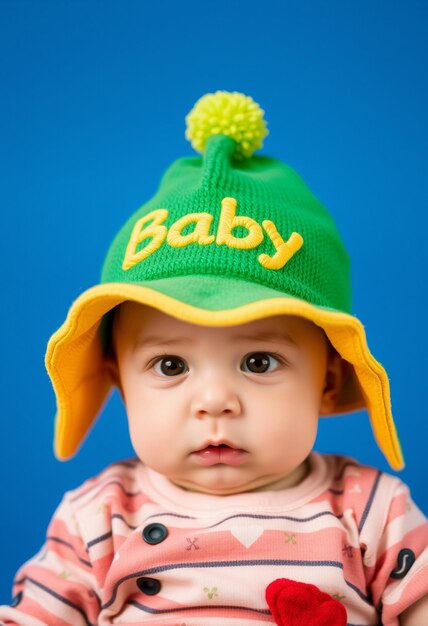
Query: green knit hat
[227, 239]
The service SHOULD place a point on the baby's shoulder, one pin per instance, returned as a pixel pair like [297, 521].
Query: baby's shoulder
[363, 491]
[118, 483]
[347, 475]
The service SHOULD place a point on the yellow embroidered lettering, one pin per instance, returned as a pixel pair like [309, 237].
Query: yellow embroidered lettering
[151, 226]
[228, 221]
[200, 233]
[140, 232]
[284, 249]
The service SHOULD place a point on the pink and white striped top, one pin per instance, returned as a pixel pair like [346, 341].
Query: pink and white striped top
[128, 547]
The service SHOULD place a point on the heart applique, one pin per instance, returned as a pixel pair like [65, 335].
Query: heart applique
[247, 535]
[294, 603]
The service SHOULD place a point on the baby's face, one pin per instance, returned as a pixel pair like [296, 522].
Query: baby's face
[221, 410]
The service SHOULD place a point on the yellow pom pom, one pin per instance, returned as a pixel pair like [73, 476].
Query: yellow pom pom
[224, 113]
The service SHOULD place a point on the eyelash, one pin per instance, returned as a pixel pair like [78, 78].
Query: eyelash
[158, 361]
[172, 357]
[270, 356]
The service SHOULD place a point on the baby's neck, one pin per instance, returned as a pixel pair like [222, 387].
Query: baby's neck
[286, 482]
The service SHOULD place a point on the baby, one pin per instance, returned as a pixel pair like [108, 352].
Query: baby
[223, 317]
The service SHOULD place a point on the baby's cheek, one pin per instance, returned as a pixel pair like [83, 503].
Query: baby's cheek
[142, 438]
[156, 450]
[295, 427]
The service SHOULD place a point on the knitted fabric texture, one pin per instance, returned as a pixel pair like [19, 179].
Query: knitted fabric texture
[264, 189]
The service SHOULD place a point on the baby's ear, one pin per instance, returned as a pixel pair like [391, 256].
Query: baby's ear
[333, 383]
[113, 371]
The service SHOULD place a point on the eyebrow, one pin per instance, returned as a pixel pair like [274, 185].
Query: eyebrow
[271, 336]
[156, 340]
[268, 336]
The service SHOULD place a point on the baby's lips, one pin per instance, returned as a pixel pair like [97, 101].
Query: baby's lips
[217, 443]
[294, 603]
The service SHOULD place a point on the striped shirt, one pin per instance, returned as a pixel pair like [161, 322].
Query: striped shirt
[129, 547]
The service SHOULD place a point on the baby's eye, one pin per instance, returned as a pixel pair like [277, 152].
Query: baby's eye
[170, 366]
[259, 363]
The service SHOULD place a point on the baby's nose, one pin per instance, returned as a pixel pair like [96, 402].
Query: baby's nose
[217, 399]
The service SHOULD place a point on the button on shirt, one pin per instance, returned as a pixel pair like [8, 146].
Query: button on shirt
[154, 533]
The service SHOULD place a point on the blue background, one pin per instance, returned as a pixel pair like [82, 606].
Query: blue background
[93, 99]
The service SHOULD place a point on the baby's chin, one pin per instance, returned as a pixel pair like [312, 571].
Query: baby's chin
[217, 485]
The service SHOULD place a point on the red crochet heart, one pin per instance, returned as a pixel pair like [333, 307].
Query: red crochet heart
[300, 604]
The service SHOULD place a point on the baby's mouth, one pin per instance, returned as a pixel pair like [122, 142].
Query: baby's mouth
[219, 454]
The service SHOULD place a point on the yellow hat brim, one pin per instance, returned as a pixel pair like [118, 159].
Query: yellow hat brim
[77, 366]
